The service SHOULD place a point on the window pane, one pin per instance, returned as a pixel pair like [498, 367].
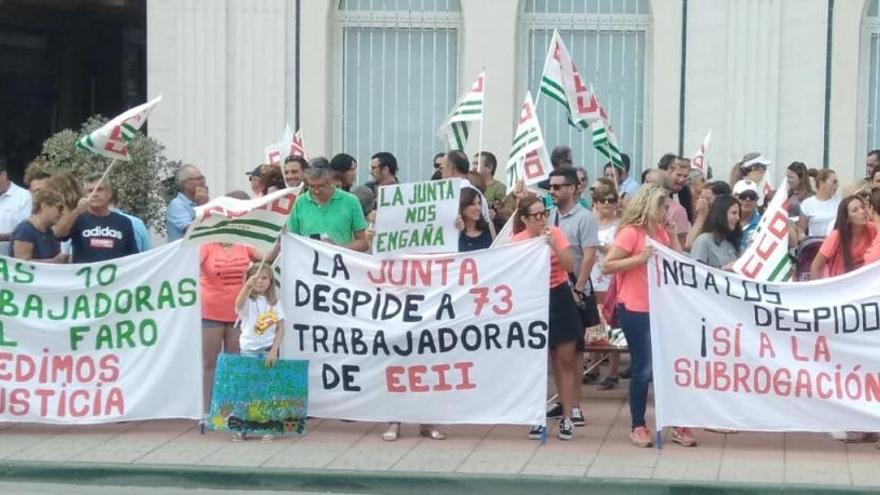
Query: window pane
[586, 7]
[398, 85]
[402, 5]
[613, 61]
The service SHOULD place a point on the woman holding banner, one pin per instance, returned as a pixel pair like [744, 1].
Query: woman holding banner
[33, 238]
[644, 217]
[475, 232]
[564, 320]
[223, 266]
[845, 247]
[873, 252]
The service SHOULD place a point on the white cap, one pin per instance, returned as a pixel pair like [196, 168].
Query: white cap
[746, 185]
[758, 160]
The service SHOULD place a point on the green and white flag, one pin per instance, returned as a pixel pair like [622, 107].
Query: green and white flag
[562, 82]
[256, 222]
[767, 259]
[604, 139]
[528, 157]
[468, 109]
[111, 140]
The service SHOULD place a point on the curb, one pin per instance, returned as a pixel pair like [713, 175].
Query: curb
[370, 482]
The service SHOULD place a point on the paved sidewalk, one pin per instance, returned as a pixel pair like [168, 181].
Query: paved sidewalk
[600, 453]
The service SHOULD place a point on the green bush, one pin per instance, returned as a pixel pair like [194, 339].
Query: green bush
[143, 184]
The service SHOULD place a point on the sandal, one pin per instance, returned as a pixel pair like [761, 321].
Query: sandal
[640, 437]
[683, 437]
[392, 432]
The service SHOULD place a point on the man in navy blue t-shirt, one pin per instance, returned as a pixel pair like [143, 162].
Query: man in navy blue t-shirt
[100, 234]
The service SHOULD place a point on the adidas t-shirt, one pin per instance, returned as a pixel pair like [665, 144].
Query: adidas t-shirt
[95, 238]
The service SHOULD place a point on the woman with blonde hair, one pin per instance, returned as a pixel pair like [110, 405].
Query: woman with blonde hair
[819, 211]
[643, 218]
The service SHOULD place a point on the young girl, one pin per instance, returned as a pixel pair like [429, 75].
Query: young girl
[262, 319]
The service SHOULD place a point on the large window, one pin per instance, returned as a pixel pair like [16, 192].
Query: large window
[871, 33]
[608, 42]
[399, 78]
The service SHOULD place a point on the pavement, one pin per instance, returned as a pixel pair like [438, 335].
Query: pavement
[346, 457]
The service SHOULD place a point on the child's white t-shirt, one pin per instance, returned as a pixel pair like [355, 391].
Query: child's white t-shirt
[258, 323]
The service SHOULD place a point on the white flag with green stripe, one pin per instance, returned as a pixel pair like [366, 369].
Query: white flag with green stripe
[468, 109]
[256, 222]
[111, 139]
[561, 81]
[767, 259]
[605, 142]
[528, 157]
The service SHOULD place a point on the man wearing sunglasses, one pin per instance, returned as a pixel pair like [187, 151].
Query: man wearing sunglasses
[582, 232]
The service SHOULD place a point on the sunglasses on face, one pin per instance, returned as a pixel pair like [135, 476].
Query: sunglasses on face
[540, 214]
[748, 196]
[556, 187]
[610, 200]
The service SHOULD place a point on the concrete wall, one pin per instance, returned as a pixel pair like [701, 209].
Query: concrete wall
[755, 74]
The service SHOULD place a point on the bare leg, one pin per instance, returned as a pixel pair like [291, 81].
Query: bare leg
[563, 357]
[231, 336]
[212, 339]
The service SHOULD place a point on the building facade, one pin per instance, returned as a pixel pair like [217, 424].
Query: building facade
[793, 79]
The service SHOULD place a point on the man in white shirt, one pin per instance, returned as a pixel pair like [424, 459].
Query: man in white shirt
[15, 207]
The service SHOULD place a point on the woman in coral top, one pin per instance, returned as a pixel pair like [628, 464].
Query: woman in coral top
[223, 266]
[644, 217]
[873, 252]
[564, 319]
[845, 247]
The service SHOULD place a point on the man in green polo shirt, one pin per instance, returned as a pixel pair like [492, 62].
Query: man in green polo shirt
[325, 212]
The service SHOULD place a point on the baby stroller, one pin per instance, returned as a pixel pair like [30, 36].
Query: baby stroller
[806, 251]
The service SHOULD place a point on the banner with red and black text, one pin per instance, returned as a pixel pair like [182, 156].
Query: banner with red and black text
[457, 338]
[730, 352]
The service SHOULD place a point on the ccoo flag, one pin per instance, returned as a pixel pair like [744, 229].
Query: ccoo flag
[111, 139]
[256, 222]
[604, 139]
[766, 259]
[528, 156]
[562, 82]
[468, 109]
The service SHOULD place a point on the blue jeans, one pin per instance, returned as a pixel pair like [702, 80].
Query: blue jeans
[637, 330]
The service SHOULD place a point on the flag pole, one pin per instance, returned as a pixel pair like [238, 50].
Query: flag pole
[102, 179]
[482, 119]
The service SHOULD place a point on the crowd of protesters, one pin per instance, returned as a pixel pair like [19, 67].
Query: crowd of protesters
[598, 237]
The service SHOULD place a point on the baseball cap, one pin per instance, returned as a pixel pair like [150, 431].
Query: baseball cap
[745, 185]
[254, 172]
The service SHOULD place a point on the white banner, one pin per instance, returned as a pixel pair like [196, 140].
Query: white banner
[102, 342]
[417, 217]
[751, 355]
[458, 338]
